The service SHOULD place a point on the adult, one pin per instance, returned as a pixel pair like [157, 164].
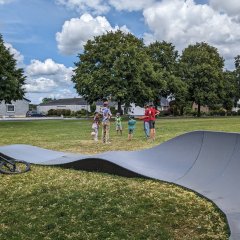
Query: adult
[152, 112]
[106, 115]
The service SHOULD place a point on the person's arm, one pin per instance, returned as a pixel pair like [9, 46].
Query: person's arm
[142, 117]
[157, 112]
[109, 113]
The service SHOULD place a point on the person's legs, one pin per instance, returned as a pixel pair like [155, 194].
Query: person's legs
[154, 131]
[129, 134]
[107, 131]
[151, 129]
[120, 128]
[104, 132]
[146, 129]
[96, 134]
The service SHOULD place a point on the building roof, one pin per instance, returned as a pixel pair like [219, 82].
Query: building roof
[73, 101]
[111, 104]
[65, 101]
[26, 99]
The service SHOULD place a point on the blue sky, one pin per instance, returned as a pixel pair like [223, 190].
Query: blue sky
[46, 35]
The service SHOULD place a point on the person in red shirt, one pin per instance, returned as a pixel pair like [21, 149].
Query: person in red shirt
[152, 112]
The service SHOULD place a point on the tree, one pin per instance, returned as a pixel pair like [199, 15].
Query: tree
[165, 62]
[202, 69]
[231, 90]
[116, 64]
[11, 78]
[237, 78]
[47, 100]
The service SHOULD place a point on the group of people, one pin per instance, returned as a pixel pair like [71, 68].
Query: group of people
[105, 114]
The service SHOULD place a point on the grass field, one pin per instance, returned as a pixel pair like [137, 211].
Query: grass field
[53, 203]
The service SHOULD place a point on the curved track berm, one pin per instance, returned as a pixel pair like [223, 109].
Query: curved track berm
[206, 162]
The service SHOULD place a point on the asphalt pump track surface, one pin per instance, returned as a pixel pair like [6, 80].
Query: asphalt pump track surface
[205, 162]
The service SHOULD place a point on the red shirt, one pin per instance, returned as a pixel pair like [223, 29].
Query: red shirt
[152, 112]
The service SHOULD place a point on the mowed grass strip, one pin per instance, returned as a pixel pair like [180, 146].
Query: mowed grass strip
[53, 203]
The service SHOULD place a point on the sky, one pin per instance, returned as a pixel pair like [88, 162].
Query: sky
[46, 36]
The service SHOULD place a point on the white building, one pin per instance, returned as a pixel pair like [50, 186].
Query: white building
[73, 104]
[17, 108]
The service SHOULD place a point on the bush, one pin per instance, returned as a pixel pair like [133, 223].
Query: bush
[113, 110]
[93, 107]
[164, 113]
[59, 112]
[234, 113]
[222, 112]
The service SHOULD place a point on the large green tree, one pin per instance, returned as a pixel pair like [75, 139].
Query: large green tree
[237, 78]
[116, 64]
[231, 90]
[202, 70]
[164, 57]
[11, 78]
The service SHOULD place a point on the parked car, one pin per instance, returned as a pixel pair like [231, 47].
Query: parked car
[35, 114]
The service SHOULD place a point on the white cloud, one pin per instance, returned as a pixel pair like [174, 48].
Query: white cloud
[95, 6]
[40, 85]
[231, 7]
[63, 93]
[17, 55]
[104, 6]
[133, 5]
[49, 67]
[184, 22]
[48, 76]
[77, 31]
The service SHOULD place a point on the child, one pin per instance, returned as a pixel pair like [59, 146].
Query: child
[95, 126]
[118, 121]
[106, 115]
[131, 127]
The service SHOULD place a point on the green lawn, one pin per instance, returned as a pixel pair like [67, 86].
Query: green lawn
[54, 203]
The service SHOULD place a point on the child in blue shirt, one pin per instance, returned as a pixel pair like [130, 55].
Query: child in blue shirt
[131, 127]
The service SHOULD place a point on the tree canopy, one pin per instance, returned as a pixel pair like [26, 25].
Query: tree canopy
[12, 78]
[119, 65]
[202, 70]
[164, 58]
[116, 64]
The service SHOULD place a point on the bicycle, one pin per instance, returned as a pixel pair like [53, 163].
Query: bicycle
[12, 166]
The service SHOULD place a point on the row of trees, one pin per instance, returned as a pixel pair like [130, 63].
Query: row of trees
[119, 65]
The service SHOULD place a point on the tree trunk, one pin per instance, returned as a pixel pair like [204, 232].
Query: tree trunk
[181, 110]
[199, 110]
[120, 107]
[156, 102]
